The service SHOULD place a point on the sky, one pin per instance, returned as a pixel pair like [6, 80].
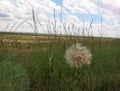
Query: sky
[72, 17]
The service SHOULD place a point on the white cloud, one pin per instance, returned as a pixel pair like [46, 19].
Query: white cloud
[80, 6]
[109, 8]
[16, 11]
[72, 19]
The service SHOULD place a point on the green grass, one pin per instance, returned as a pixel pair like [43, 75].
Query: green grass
[48, 71]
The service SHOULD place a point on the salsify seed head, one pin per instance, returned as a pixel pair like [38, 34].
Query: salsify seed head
[78, 55]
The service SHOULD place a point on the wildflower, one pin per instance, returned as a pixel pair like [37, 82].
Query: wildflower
[78, 55]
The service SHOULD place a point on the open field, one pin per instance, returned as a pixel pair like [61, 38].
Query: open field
[27, 38]
[43, 57]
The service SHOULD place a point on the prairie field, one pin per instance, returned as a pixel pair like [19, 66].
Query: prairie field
[43, 58]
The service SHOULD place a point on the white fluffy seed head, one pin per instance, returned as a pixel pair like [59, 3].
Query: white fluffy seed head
[78, 55]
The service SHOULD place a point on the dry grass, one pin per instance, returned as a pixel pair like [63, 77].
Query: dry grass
[21, 38]
[36, 58]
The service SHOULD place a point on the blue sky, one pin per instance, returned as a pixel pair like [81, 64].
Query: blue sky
[58, 2]
[104, 13]
[82, 17]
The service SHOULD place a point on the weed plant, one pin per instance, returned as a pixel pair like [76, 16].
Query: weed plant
[47, 68]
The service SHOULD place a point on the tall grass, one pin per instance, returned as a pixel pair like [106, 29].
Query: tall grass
[46, 65]
[48, 70]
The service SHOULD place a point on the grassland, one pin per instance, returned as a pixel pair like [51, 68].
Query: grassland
[43, 57]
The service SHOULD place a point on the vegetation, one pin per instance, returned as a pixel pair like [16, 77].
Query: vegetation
[13, 77]
[43, 57]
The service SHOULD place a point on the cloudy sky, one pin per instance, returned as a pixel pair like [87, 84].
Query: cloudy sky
[72, 17]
